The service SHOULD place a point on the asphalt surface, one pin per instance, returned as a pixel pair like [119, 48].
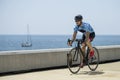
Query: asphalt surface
[108, 71]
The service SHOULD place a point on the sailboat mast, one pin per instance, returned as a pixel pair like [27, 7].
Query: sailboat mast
[27, 32]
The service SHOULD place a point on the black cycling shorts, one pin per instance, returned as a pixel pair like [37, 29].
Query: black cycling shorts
[91, 37]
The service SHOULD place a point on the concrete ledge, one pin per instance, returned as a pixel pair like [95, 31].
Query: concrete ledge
[36, 59]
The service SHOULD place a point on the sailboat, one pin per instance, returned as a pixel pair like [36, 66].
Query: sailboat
[28, 43]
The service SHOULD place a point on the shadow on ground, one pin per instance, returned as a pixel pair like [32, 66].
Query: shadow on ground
[89, 73]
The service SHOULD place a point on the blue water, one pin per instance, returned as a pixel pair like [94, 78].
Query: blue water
[13, 42]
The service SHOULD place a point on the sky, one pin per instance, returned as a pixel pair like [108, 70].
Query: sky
[56, 17]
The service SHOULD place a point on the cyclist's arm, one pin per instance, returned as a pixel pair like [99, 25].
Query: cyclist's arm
[74, 36]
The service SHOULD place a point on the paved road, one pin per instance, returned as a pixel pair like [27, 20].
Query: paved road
[109, 71]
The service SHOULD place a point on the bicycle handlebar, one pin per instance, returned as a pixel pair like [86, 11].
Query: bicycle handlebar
[77, 40]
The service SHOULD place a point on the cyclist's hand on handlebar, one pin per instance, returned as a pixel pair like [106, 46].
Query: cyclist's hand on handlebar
[70, 42]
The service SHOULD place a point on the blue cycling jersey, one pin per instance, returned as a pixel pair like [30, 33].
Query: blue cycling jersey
[85, 27]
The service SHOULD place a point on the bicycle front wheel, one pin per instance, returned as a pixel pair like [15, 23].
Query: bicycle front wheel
[74, 60]
[94, 61]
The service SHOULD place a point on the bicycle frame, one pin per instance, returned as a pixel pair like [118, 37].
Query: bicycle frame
[79, 49]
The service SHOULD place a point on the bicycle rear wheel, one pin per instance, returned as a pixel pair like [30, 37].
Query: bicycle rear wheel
[94, 61]
[74, 60]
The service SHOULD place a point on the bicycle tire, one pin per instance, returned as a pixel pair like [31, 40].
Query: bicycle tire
[96, 63]
[70, 59]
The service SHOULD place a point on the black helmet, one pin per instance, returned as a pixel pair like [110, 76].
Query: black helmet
[78, 18]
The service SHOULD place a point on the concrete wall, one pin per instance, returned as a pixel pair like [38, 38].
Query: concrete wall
[36, 59]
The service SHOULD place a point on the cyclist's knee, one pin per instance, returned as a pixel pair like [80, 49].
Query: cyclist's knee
[83, 45]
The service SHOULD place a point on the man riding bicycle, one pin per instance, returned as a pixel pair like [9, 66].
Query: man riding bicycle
[88, 35]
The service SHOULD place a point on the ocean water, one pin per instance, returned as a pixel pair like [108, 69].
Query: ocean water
[13, 42]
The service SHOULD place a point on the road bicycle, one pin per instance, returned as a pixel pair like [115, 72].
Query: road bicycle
[75, 57]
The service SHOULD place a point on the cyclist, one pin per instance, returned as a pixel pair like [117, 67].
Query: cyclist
[88, 35]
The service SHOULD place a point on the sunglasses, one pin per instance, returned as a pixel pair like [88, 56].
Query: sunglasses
[77, 20]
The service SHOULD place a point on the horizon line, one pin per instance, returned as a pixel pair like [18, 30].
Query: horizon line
[59, 34]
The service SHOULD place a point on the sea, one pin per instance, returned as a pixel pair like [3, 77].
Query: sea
[13, 42]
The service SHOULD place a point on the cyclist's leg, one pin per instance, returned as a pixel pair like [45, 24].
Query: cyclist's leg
[83, 47]
[83, 50]
[83, 43]
[88, 43]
